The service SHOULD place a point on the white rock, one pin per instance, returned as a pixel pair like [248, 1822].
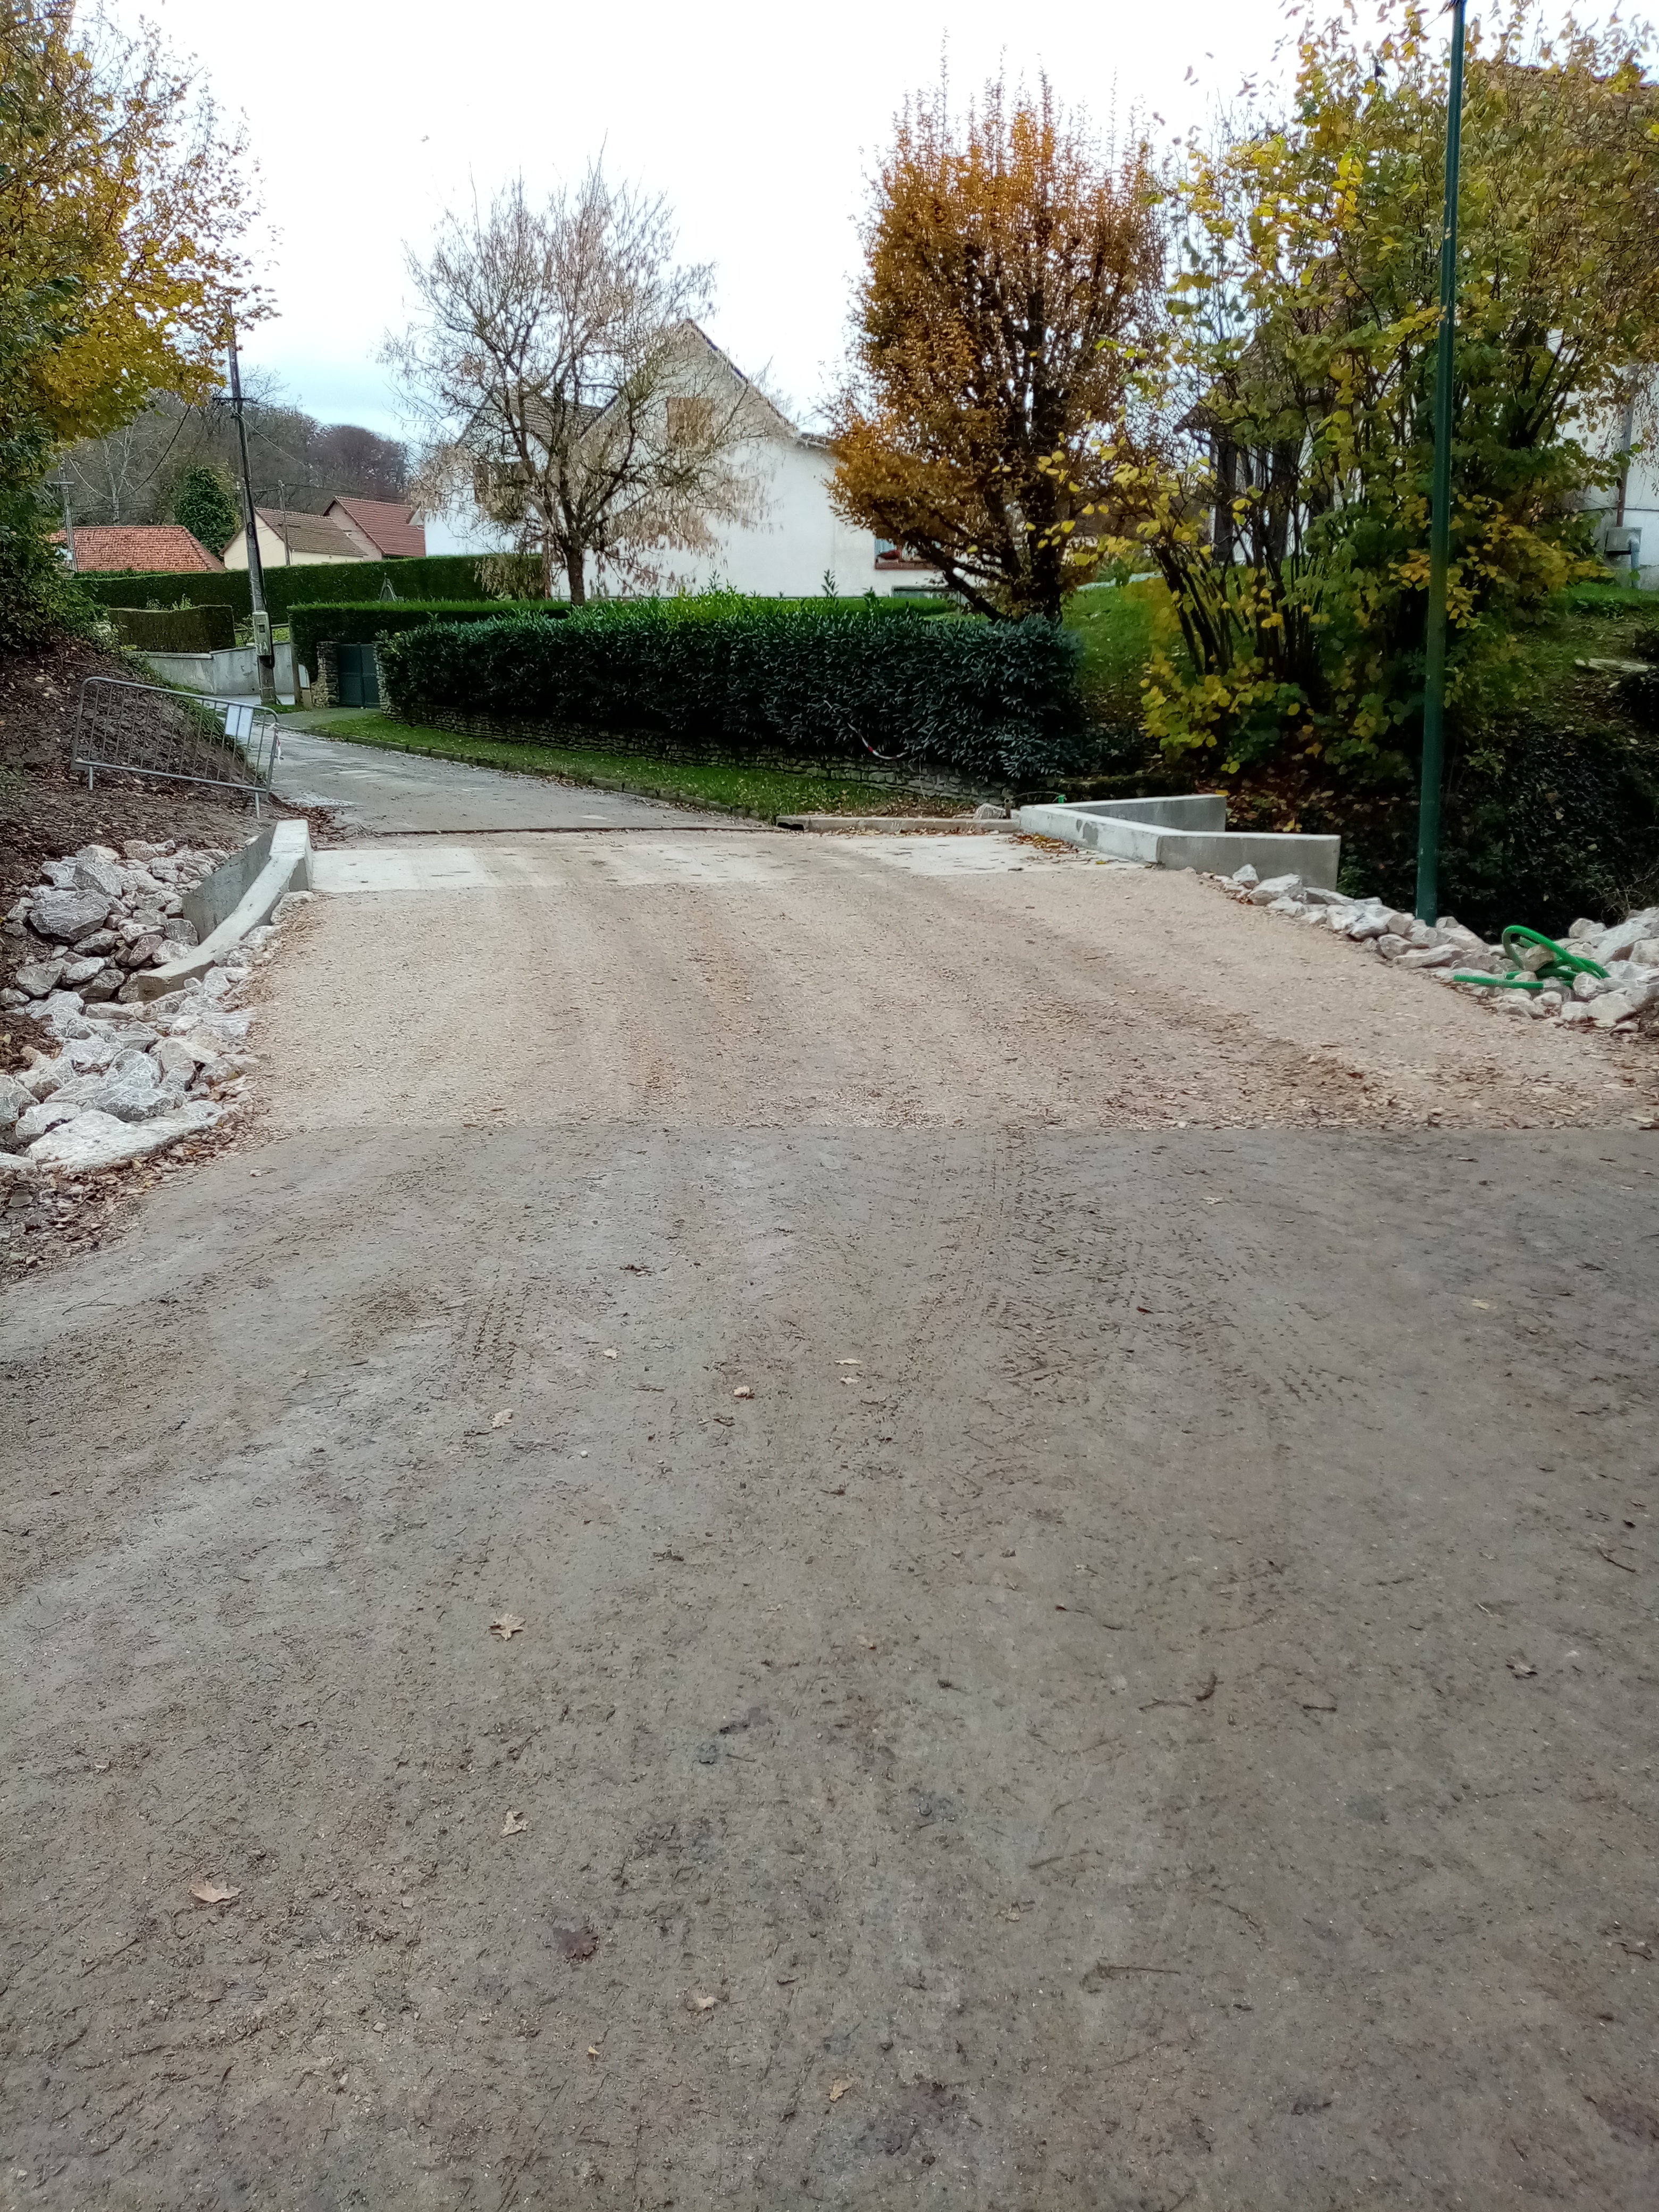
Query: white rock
[1392, 946]
[1515, 1002]
[99, 1141]
[1316, 895]
[41, 977]
[1576, 1014]
[1367, 924]
[67, 913]
[14, 1099]
[46, 1115]
[1611, 1006]
[1274, 887]
[1585, 987]
[1427, 955]
[77, 972]
[1582, 929]
[96, 872]
[13, 1167]
[1246, 875]
[1287, 906]
[130, 1092]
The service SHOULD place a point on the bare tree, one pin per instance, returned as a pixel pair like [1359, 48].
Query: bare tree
[557, 366]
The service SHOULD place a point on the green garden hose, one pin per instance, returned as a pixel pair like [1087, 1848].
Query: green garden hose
[1559, 968]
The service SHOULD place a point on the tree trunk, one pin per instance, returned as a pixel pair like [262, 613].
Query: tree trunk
[574, 567]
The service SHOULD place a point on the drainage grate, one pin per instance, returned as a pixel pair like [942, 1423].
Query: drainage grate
[179, 737]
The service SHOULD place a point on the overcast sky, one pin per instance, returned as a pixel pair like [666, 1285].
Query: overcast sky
[759, 122]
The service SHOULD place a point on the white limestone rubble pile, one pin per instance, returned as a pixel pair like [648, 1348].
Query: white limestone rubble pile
[1628, 950]
[112, 1081]
[100, 914]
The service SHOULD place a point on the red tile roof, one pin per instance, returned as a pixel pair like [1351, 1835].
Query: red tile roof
[388, 525]
[143, 545]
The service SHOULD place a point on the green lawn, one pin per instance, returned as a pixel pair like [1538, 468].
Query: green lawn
[760, 793]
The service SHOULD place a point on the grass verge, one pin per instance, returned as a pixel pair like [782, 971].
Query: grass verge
[760, 794]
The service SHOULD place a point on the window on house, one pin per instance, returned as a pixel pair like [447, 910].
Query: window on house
[689, 420]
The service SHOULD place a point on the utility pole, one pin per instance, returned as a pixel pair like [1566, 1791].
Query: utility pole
[256, 574]
[1434, 662]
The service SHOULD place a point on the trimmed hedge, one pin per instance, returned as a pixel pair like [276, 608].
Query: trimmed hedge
[443, 576]
[824, 678]
[337, 623]
[175, 629]
[199, 587]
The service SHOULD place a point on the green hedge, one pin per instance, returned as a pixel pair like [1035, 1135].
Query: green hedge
[447, 576]
[175, 629]
[346, 624]
[827, 679]
[198, 588]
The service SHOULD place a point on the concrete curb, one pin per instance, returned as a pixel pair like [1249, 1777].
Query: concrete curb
[278, 863]
[1185, 833]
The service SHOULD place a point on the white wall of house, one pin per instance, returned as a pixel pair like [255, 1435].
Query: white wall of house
[784, 552]
[796, 539]
[274, 552]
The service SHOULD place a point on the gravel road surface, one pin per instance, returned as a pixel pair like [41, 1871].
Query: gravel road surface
[1085, 1573]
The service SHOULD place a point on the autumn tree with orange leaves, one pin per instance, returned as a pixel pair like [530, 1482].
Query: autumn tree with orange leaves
[1012, 261]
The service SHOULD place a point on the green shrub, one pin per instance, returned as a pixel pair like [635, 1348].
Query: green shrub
[447, 576]
[169, 587]
[39, 597]
[175, 629]
[337, 623]
[822, 679]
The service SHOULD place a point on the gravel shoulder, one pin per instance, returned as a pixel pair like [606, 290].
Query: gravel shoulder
[1068, 1660]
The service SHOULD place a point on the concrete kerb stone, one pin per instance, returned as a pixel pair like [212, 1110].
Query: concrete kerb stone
[256, 877]
[1187, 832]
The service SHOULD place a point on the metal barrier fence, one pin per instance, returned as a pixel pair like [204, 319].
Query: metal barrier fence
[180, 737]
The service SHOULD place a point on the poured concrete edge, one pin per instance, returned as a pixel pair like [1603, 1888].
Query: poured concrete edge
[932, 825]
[287, 868]
[1119, 836]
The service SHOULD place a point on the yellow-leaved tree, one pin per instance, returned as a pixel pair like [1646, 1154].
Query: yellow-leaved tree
[1012, 264]
[124, 203]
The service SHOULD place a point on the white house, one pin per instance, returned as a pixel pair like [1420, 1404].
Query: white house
[793, 546]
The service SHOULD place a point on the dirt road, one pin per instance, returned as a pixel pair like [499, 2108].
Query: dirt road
[1148, 1703]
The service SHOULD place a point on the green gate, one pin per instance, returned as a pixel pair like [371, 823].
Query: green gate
[356, 676]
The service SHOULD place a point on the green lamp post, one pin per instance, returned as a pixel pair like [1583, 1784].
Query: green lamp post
[1434, 669]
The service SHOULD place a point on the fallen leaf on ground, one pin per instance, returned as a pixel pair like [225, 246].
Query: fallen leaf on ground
[506, 1625]
[1485, 1305]
[743, 1390]
[612, 1354]
[1519, 1666]
[592, 2050]
[576, 1943]
[1205, 1691]
[502, 1419]
[213, 1892]
[838, 2090]
[1215, 1201]
[1316, 1701]
[849, 1362]
[703, 2004]
[514, 1825]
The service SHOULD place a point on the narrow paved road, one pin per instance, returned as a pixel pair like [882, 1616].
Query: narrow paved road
[379, 791]
[1086, 1577]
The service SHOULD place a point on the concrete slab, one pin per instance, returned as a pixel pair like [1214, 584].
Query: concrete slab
[1112, 829]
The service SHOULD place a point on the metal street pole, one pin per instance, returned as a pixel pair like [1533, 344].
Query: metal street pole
[256, 573]
[1434, 667]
